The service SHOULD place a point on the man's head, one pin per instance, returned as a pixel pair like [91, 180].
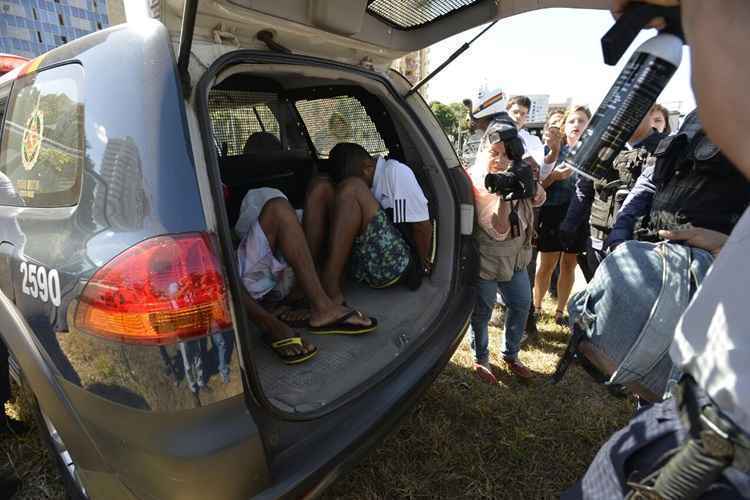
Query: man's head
[351, 160]
[486, 106]
[644, 129]
[518, 108]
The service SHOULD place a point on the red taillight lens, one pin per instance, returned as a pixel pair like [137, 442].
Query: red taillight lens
[163, 290]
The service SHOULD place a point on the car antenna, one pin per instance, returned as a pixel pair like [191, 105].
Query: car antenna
[450, 59]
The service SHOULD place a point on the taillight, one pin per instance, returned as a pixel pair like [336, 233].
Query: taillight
[163, 290]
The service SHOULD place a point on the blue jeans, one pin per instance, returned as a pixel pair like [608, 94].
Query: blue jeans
[516, 294]
[633, 322]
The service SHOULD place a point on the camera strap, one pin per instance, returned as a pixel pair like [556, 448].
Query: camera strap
[515, 221]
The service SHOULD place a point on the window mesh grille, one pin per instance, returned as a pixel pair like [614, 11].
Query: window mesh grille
[339, 119]
[235, 116]
[408, 14]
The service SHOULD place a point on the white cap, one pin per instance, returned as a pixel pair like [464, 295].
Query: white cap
[489, 102]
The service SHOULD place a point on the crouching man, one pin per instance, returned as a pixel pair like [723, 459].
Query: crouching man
[273, 259]
[378, 218]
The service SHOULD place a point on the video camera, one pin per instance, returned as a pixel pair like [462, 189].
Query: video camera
[518, 181]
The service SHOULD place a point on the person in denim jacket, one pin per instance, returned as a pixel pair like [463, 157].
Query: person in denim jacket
[686, 205]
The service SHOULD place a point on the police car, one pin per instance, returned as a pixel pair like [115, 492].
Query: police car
[115, 152]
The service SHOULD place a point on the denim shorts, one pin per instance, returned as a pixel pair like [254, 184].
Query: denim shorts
[380, 255]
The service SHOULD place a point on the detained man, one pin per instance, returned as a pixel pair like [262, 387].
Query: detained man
[364, 204]
[274, 259]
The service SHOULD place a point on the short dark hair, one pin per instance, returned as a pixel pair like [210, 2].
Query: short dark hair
[346, 160]
[521, 100]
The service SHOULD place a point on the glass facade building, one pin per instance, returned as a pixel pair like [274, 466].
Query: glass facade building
[31, 27]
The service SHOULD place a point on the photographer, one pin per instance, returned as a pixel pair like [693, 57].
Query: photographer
[504, 230]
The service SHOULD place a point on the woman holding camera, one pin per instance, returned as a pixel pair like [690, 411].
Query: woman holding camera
[504, 255]
[560, 186]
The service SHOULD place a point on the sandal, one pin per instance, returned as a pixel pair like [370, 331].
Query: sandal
[278, 347]
[344, 327]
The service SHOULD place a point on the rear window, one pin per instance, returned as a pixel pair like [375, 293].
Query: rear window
[42, 148]
[340, 119]
[238, 115]
[409, 14]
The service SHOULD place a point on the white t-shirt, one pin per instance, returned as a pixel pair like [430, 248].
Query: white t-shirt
[396, 187]
[535, 149]
[712, 341]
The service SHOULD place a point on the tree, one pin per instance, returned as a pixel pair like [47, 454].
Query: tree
[462, 114]
[446, 117]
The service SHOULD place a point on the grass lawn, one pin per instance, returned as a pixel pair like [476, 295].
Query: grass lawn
[464, 439]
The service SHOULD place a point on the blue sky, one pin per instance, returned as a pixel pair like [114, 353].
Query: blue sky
[557, 52]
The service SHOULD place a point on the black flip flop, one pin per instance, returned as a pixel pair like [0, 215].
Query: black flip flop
[341, 327]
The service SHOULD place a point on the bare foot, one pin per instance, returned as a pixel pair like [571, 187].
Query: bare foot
[336, 312]
[278, 330]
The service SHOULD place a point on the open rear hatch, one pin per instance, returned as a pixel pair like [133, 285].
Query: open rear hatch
[376, 31]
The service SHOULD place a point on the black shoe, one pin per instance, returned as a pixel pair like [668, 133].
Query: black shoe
[9, 486]
[12, 426]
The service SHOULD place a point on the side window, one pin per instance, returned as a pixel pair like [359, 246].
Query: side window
[238, 115]
[333, 120]
[42, 150]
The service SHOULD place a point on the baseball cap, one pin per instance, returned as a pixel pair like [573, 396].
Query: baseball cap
[490, 102]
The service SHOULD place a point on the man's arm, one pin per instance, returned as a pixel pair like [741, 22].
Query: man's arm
[637, 204]
[422, 233]
[580, 206]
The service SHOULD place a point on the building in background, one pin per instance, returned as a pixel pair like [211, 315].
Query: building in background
[31, 27]
[539, 106]
[414, 66]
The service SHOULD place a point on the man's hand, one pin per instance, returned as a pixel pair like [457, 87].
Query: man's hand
[618, 7]
[698, 237]
[422, 234]
[553, 139]
[562, 172]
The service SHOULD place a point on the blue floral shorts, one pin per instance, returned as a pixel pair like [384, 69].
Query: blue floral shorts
[380, 255]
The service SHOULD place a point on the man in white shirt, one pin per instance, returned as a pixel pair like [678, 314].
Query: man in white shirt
[518, 109]
[356, 209]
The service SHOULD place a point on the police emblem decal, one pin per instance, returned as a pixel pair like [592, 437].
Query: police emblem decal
[31, 143]
[706, 150]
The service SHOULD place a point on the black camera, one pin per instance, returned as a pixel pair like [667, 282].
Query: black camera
[518, 181]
